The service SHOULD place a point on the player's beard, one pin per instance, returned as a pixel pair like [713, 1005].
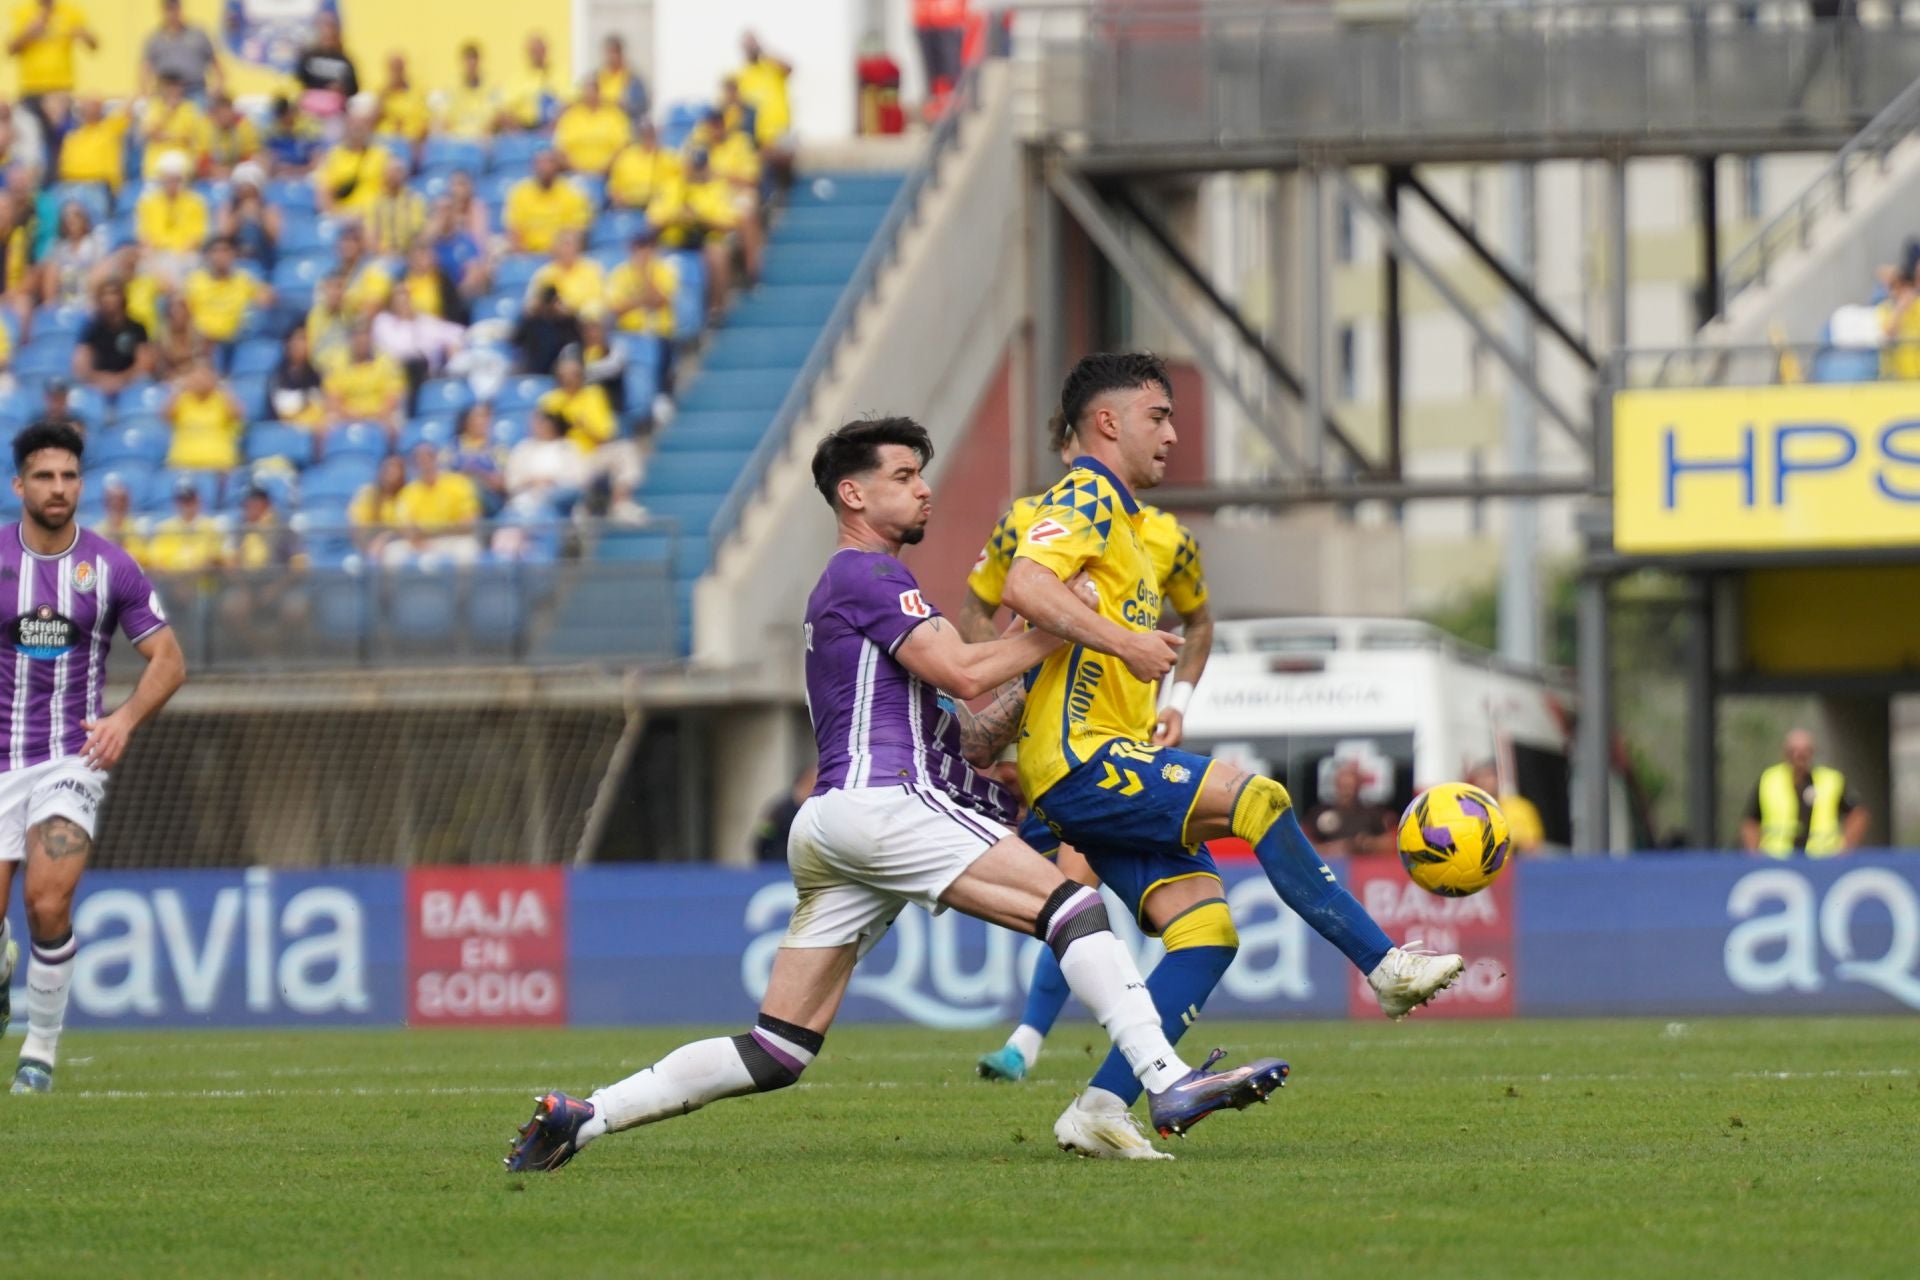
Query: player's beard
[911, 535]
[49, 524]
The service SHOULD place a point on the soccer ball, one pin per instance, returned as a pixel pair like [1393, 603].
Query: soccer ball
[1454, 839]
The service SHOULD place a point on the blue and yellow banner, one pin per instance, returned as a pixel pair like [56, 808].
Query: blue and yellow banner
[1766, 468]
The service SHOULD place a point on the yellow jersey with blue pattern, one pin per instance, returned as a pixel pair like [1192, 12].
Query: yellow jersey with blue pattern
[1080, 698]
[1171, 545]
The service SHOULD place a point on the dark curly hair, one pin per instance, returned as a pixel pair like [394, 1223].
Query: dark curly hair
[45, 435]
[1100, 373]
[854, 449]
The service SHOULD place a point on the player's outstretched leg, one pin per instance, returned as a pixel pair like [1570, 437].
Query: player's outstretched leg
[1261, 813]
[1201, 943]
[806, 984]
[49, 979]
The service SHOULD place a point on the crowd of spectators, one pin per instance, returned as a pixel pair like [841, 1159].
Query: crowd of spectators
[433, 314]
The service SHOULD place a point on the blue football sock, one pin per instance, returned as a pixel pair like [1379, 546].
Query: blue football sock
[1179, 985]
[1048, 994]
[1263, 817]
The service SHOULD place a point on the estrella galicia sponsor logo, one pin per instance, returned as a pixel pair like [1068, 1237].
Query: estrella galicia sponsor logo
[44, 634]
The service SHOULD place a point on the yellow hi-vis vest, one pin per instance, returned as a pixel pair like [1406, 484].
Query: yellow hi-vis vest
[1780, 812]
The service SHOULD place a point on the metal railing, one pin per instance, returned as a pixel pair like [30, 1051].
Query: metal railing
[1826, 191]
[880, 253]
[1254, 84]
[590, 592]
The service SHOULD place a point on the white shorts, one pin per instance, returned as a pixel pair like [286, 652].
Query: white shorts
[858, 856]
[67, 788]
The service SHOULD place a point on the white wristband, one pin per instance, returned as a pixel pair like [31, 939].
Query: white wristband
[1178, 697]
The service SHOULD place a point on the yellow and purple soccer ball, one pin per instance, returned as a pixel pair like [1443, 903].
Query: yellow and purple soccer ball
[1454, 839]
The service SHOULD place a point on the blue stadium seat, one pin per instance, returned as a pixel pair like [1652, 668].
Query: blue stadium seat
[252, 391]
[681, 118]
[615, 229]
[714, 430]
[1840, 364]
[498, 306]
[306, 237]
[255, 356]
[146, 399]
[121, 231]
[513, 153]
[138, 479]
[690, 472]
[454, 155]
[639, 385]
[522, 393]
[209, 483]
[690, 303]
[444, 395]
[293, 196]
[509, 429]
[735, 348]
[762, 389]
[496, 187]
[691, 513]
[356, 439]
[276, 440]
[634, 546]
[593, 186]
[139, 445]
[496, 607]
[438, 432]
[514, 274]
[43, 358]
[421, 604]
[340, 605]
[642, 349]
[300, 272]
[59, 322]
[90, 406]
[337, 479]
[282, 487]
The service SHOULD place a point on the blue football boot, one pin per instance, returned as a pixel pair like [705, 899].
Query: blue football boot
[550, 1139]
[1005, 1063]
[33, 1077]
[1197, 1095]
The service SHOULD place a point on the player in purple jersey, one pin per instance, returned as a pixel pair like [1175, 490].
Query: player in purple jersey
[898, 817]
[69, 590]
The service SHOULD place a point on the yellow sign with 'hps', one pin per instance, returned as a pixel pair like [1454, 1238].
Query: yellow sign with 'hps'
[1767, 468]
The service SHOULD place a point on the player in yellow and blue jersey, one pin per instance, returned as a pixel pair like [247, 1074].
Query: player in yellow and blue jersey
[1182, 577]
[1140, 811]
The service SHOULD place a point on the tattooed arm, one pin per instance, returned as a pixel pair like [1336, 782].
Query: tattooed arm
[985, 733]
[936, 653]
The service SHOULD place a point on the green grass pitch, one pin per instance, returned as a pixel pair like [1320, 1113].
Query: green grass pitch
[1629, 1148]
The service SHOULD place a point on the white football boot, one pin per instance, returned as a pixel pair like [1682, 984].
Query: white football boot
[1103, 1129]
[1407, 979]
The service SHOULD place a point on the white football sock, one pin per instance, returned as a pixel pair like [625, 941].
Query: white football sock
[1100, 971]
[685, 1080]
[49, 978]
[1026, 1041]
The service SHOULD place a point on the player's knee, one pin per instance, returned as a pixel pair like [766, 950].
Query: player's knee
[776, 1052]
[1261, 803]
[1207, 924]
[1071, 912]
[49, 912]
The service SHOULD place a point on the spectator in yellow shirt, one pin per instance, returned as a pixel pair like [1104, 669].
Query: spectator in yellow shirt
[533, 98]
[540, 207]
[44, 35]
[403, 108]
[220, 297]
[94, 150]
[171, 222]
[329, 323]
[173, 125]
[641, 290]
[642, 169]
[396, 217]
[578, 405]
[207, 422]
[577, 278]
[375, 510]
[367, 280]
[348, 177]
[366, 386]
[591, 132]
[763, 86]
[700, 212]
[233, 139]
[620, 84]
[439, 511]
[468, 110]
[189, 540]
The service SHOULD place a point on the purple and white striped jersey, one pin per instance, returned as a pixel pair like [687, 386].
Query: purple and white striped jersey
[876, 723]
[61, 612]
